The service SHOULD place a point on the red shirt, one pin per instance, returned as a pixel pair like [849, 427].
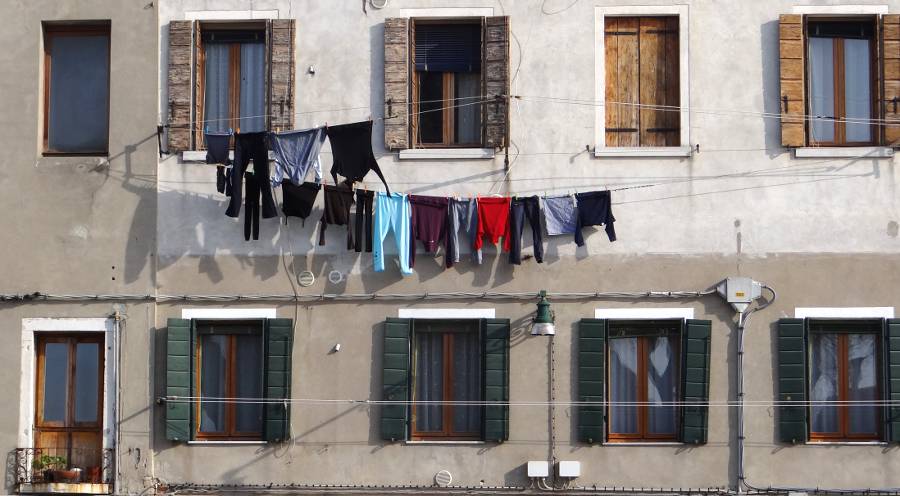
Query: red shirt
[493, 221]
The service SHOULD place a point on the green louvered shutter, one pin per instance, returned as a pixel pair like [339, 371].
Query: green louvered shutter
[792, 419]
[178, 379]
[279, 342]
[395, 378]
[495, 333]
[591, 379]
[892, 345]
[695, 343]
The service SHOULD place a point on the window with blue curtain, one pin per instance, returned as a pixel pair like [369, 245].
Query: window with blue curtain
[234, 96]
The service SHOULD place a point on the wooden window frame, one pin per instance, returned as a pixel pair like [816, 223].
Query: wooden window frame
[840, 128]
[643, 434]
[446, 433]
[231, 369]
[52, 31]
[448, 105]
[843, 409]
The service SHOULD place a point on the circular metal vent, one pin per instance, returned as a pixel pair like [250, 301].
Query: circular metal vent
[334, 277]
[443, 478]
[306, 278]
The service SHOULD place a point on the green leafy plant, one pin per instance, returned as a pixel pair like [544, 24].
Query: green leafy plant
[49, 462]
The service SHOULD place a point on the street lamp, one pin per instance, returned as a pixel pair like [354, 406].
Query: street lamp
[542, 325]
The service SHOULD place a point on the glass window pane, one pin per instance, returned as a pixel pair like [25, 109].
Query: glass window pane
[467, 116]
[429, 380]
[253, 88]
[79, 93]
[431, 117]
[466, 382]
[623, 385]
[56, 373]
[857, 89]
[824, 382]
[248, 383]
[213, 353]
[217, 87]
[821, 88]
[87, 381]
[662, 384]
[862, 383]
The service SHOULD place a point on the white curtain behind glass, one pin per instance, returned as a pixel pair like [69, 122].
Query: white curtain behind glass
[857, 89]
[862, 382]
[253, 91]
[623, 385]
[821, 88]
[662, 386]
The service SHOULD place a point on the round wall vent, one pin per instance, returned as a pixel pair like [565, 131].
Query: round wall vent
[306, 278]
[443, 478]
[334, 277]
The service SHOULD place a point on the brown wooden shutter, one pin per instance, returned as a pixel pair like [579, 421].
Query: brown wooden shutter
[180, 91]
[890, 32]
[658, 49]
[396, 83]
[793, 93]
[281, 75]
[622, 81]
[495, 73]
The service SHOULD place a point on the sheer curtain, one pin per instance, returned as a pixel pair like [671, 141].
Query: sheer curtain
[466, 382]
[215, 101]
[212, 381]
[248, 416]
[253, 87]
[857, 89]
[824, 382]
[821, 87]
[862, 383]
[623, 385]
[662, 386]
[468, 112]
[429, 380]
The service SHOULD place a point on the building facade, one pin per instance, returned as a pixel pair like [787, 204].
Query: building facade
[160, 350]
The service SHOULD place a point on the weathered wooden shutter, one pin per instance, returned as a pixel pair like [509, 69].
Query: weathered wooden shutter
[591, 379]
[281, 74]
[793, 91]
[892, 348]
[395, 378]
[180, 90]
[658, 48]
[495, 74]
[622, 68]
[890, 32]
[279, 341]
[179, 382]
[695, 350]
[396, 83]
[791, 345]
[495, 335]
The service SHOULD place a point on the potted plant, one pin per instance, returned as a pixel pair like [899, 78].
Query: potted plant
[44, 466]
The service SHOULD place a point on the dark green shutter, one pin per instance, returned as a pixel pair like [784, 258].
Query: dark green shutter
[395, 378]
[495, 333]
[892, 345]
[279, 343]
[178, 379]
[591, 379]
[791, 343]
[695, 380]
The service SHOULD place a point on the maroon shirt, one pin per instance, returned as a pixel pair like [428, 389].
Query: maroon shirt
[429, 224]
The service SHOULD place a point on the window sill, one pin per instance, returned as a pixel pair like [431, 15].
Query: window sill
[846, 443]
[446, 154]
[649, 151]
[428, 441]
[63, 488]
[844, 152]
[647, 443]
[200, 156]
[229, 443]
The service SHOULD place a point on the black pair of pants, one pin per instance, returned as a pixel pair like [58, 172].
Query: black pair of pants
[520, 209]
[363, 219]
[338, 200]
[251, 207]
[249, 146]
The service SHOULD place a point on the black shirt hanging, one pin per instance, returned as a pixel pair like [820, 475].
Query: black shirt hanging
[351, 147]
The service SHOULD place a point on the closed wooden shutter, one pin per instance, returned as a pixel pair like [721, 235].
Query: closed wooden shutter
[591, 379]
[179, 382]
[495, 335]
[180, 89]
[279, 342]
[695, 350]
[281, 74]
[890, 31]
[495, 73]
[658, 48]
[622, 81]
[395, 378]
[892, 345]
[791, 346]
[793, 92]
[396, 83]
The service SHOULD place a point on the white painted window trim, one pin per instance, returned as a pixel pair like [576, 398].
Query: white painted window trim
[446, 154]
[844, 312]
[448, 12]
[200, 156]
[643, 313]
[228, 313]
[229, 15]
[839, 9]
[446, 313]
[600, 15]
[844, 152]
[33, 326]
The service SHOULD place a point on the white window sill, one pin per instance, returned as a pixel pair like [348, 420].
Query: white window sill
[446, 442]
[446, 154]
[647, 444]
[200, 156]
[63, 488]
[844, 152]
[225, 443]
[846, 443]
[643, 151]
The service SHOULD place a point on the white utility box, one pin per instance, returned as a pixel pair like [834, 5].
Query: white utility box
[537, 468]
[570, 470]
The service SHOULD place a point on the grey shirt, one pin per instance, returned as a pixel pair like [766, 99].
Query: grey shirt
[463, 215]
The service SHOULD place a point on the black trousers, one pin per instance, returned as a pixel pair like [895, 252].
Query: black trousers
[520, 209]
[363, 219]
[249, 146]
[251, 207]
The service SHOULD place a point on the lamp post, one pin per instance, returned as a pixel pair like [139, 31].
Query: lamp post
[542, 325]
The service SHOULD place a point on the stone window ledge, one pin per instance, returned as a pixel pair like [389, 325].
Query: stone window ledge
[446, 154]
[643, 151]
[844, 152]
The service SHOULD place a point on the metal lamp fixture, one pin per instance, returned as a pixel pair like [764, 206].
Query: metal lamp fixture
[542, 325]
